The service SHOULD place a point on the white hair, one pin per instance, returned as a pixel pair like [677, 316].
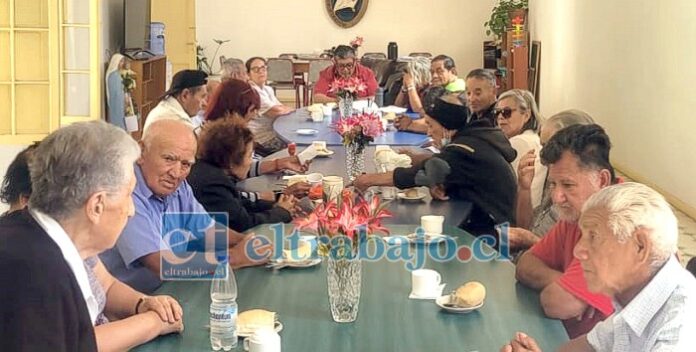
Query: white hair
[419, 68]
[76, 161]
[630, 206]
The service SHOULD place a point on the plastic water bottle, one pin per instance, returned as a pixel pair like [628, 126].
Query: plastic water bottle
[223, 311]
[379, 97]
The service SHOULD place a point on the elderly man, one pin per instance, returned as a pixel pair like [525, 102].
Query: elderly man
[481, 95]
[233, 69]
[168, 152]
[444, 73]
[345, 65]
[629, 237]
[186, 97]
[81, 201]
[474, 165]
[578, 166]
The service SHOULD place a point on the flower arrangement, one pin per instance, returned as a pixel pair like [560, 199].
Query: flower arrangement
[345, 222]
[359, 129]
[349, 87]
[357, 42]
[128, 82]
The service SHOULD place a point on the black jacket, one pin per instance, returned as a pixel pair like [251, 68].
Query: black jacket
[42, 305]
[217, 192]
[479, 159]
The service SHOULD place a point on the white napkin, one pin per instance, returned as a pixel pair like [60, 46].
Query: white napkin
[308, 154]
[392, 159]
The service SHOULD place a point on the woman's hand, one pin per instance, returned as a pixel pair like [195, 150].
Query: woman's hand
[166, 307]
[407, 81]
[525, 170]
[166, 328]
[292, 163]
[287, 202]
[298, 190]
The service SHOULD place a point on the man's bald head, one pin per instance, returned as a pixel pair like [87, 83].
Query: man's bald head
[169, 150]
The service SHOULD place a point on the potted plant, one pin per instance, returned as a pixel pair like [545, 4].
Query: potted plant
[502, 14]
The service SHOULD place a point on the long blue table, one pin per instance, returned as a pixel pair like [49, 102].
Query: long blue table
[287, 126]
[387, 320]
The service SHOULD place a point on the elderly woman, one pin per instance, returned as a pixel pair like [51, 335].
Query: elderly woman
[519, 118]
[16, 185]
[267, 141]
[80, 204]
[535, 222]
[224, 158]
[237, 99]
[416, 80]
[473, 165]
[233, 69]
[629, 237]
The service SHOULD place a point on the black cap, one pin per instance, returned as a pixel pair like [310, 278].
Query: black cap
[450, 116]
[186, 79]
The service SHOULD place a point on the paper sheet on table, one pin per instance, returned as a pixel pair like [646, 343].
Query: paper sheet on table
[308, 154]
[393, 108]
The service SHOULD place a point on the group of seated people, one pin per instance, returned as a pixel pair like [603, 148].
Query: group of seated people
[86, 226]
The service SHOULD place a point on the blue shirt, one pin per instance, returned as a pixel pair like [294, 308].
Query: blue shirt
[662, 317]
[143, 232]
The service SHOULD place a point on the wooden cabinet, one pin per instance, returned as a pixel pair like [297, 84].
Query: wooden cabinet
[150, 82]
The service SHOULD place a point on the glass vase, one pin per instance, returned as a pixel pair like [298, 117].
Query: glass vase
[345, 105]
[343, 277]
[355, 160]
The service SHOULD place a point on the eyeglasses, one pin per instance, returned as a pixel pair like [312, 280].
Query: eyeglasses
[259, 69]
[507, 112]
[347, 66]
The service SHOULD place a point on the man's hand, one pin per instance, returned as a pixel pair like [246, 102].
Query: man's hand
[166, 307]
[362, 182]
[521, 238]
[292, 163]
[402, 122]
[438, 192]
[525, 170]
[239, 257]
[298, 190]
[521, 343]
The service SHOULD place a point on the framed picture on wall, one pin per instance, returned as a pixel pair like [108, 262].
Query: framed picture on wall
[534, 68]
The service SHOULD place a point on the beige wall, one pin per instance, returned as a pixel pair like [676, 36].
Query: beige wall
[269, 28]
[630, 64]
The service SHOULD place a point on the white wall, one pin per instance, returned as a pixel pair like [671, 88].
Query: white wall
[269, 28]
[630, 64]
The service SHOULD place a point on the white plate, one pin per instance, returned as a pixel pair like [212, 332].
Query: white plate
[297, 263]
[402, 195]
[393, 108]
[428, 238]
[325, 155]
[442, 300]
[306, 131]
[277, 327]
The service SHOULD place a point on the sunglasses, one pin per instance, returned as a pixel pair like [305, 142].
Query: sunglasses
[507, 112]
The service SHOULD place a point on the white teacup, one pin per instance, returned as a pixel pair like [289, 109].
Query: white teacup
[314, 178]
[263, 340]
[388, 192]
[425, 282]
[317, 116]
[432, 224]
[327, 110]
[333, 185]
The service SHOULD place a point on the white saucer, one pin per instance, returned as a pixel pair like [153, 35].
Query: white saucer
[325, 155]
[277, 327]
[402, 195]
[437, 292]
[428, 238]
[442, 300]
[297, 263]
[306, 131]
